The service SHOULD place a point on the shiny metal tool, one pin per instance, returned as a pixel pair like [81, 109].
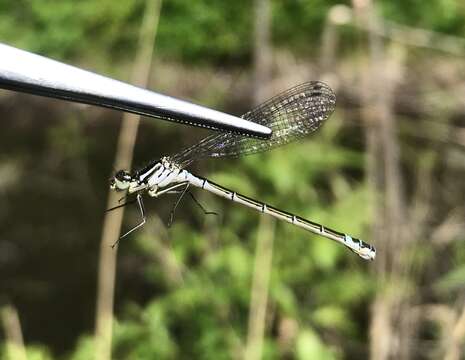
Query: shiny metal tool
[26, 72]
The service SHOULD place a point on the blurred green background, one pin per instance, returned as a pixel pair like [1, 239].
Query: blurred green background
[387, 167]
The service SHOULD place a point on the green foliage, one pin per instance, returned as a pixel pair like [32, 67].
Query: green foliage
[199, 31]
[334, 317]
[69, 28]
[309, 346]
[85, 349]
[205, 316]
[33, 352]
[440, 15]
[308, 16]
[452, 281]
[196, 278]
[202, 31]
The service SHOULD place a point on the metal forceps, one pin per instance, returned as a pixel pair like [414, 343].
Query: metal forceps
[26, 72]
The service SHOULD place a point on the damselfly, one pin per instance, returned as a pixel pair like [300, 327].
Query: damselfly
[291, 115]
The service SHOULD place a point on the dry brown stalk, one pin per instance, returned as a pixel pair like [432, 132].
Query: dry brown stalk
[15, 349]
[262, 49]
[259, 297]
[457, 339]
[403, 34]
[264, 251]
[123, 159]
[389, 331]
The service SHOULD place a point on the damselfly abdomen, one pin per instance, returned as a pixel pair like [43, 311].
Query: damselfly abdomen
[291, 115]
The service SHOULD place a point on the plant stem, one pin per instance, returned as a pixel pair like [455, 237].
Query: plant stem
[123, 160]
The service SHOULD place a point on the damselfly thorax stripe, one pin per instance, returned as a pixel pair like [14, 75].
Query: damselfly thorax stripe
[293, 114]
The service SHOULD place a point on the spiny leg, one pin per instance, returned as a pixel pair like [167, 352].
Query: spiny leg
[121, 205]
[142, 213]
[205, 211]
[178, 200]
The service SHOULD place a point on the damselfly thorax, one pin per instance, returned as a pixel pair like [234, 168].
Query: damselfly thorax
[153, 179]
[291, 115]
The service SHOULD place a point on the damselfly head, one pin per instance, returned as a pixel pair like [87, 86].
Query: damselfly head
[367, 252]
[121, 181]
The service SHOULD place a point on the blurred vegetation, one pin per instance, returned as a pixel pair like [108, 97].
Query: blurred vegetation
[184, 292]
[201, 31]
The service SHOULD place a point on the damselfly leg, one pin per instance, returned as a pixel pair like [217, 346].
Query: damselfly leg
[205, 211]
[121, 205]
[178, 200]
[140, 203]
[292, 114]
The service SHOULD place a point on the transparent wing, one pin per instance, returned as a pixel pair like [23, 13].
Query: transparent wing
[291, 115]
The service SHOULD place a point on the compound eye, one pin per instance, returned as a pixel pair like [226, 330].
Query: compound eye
[123, 176]
[120, 175]
[121, 180]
